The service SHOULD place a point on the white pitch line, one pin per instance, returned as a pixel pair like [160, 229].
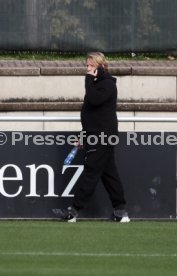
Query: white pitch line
[77, 254]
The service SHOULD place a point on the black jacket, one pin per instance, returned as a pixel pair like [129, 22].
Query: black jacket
[98, 112]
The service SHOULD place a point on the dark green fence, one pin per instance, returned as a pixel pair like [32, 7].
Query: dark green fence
[82, 25]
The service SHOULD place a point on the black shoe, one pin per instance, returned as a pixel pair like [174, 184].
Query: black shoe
[121, 215]
[70, 214]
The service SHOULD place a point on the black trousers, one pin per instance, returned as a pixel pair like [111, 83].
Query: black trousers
[100, 164]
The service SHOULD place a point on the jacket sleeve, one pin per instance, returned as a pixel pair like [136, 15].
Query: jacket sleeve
[95, 96]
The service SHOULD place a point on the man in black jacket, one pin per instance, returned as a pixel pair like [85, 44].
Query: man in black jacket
[99, 122]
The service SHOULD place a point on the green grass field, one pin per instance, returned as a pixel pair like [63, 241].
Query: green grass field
[88, 248]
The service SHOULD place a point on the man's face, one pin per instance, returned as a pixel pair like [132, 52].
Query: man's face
[90, 66]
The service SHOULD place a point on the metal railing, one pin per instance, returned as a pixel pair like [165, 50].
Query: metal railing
[77, 119]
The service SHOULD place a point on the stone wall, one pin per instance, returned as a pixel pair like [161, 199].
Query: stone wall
[146, 88]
